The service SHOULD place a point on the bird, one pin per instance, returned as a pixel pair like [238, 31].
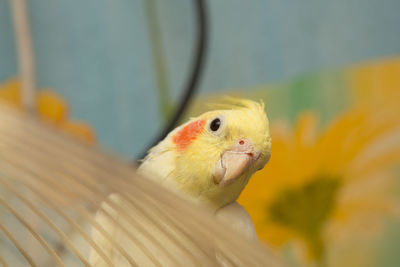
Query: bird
[208, 160]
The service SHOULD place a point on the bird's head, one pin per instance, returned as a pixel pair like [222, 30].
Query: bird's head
[217, 152]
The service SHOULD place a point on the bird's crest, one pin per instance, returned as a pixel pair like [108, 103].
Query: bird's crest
[229, 102]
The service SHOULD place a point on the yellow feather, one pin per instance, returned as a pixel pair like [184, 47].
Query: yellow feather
[192, 169]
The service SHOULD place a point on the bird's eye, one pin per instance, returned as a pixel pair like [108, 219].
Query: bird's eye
[215, 124]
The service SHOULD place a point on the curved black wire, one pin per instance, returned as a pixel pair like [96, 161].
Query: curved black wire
[194, 75]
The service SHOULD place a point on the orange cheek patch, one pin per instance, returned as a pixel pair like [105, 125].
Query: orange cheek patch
[189, 133]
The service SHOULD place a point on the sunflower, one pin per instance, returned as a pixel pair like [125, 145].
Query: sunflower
[322, 184]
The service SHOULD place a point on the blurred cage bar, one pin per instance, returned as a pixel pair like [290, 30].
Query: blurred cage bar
[51, 188]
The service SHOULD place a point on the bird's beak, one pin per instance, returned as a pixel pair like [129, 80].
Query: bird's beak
[234, 162]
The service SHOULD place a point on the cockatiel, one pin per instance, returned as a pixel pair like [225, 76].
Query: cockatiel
[211, 158]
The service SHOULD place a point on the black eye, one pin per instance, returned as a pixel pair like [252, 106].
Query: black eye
[215, 124]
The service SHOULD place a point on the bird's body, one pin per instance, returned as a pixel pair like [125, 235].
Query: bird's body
[211, 158]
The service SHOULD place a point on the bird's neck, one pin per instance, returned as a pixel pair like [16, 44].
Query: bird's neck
[219, 197]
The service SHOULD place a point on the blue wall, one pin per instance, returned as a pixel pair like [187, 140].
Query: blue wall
[96, 53]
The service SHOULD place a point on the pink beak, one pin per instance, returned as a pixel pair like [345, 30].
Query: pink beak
[234, 162]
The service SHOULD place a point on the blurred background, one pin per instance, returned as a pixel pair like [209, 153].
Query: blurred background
[113, 72]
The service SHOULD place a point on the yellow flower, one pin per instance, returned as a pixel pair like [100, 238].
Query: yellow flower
[10, 92]
[378, 81]
[50, 108]
[320, 184]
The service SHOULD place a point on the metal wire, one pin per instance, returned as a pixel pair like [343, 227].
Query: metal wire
[194, 76]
